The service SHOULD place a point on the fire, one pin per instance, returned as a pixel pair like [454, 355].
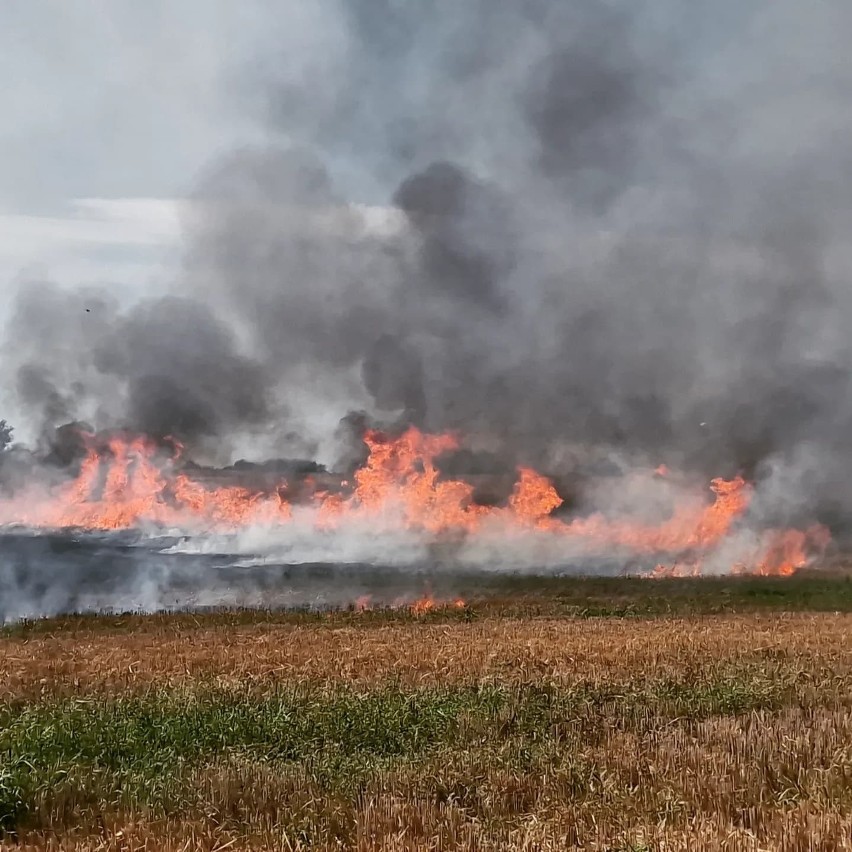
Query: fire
[130, 481]
[534, 498]
[424, 604]
[789, 549]
[678, 569]
[783, 552]
[427, 604]
[401, 473]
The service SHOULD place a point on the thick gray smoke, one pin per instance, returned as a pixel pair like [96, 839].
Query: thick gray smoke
[613, 228]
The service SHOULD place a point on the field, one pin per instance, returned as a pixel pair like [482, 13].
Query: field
[544, 715]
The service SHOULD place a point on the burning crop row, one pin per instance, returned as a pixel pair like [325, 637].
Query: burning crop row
[130, 482]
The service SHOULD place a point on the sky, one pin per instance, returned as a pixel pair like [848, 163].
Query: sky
[110, 109]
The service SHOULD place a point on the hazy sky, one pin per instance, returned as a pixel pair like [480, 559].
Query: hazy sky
[121, 99]
[118, 100]
[113, 108]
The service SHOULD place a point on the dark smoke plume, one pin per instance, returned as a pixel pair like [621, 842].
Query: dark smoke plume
[609, 231]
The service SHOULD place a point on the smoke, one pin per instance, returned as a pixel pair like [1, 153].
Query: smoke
[607, 232]
[182, 372]
[50, 575]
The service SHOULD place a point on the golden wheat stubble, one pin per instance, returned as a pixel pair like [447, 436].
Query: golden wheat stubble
[561, 650]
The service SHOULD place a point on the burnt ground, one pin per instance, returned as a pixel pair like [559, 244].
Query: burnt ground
[60, 573]
[66, 572]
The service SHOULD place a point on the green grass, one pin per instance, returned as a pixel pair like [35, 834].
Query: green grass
[63, 760]
[633, 596]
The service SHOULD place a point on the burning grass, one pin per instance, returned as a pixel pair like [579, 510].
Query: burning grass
[131, 482]
[446, 730]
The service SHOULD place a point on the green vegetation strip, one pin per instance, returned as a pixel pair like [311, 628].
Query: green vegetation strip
[575, 597]
[62, 760]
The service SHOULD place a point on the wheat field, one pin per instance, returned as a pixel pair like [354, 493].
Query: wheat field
[493, 728]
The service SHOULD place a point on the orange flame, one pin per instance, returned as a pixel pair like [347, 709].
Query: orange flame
[427, 603]
[422, 605]
[131, 481]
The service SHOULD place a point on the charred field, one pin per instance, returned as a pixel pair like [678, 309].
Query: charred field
[546, 713]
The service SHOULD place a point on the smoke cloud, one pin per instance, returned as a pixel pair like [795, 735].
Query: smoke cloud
[575, 232]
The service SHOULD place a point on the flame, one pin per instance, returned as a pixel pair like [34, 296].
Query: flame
[427, 603]
[534, 498]
[424, 604]
[788, 550]
[401, 473]
[130, 481]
